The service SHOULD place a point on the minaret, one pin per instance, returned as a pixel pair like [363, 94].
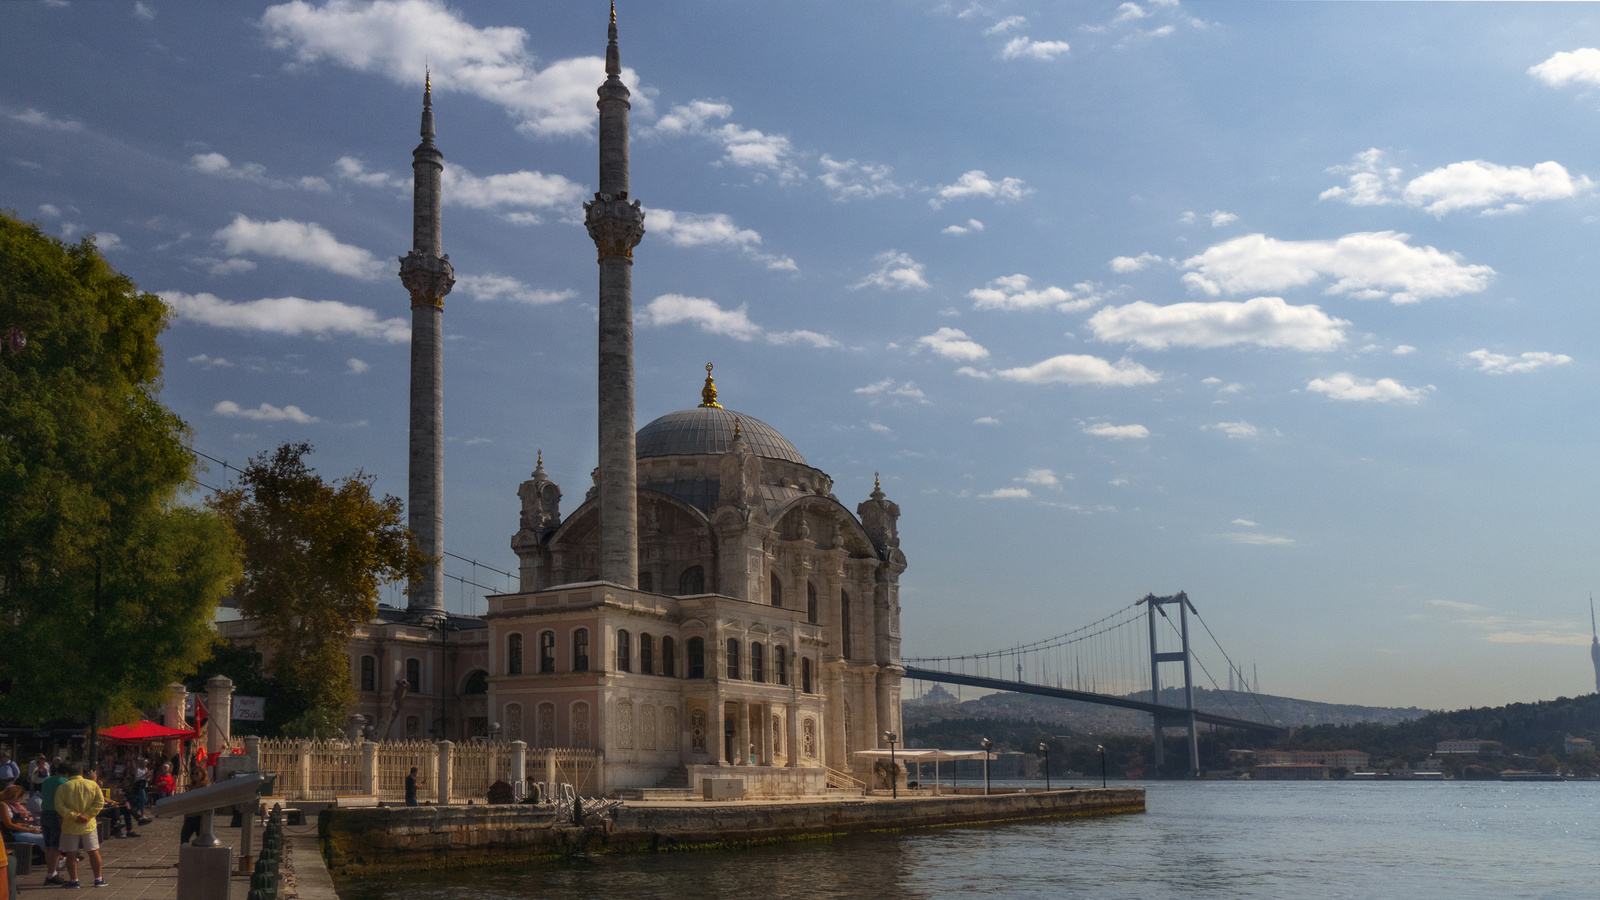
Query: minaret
[427, 275]
[1594, 648]
[616, 224]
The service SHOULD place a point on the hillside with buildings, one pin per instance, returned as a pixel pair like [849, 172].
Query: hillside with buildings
[939, 703]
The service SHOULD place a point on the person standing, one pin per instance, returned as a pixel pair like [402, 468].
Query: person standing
[38, 771]
[197, 779]
[50, 822]
[411, 787]
[9, 770]
[78, 801]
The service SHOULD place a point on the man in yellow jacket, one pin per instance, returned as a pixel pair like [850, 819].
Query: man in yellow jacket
[78, 801]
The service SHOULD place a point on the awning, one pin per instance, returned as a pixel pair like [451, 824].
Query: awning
[142, 732]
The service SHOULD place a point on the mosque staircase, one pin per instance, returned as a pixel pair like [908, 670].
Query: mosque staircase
[676, 779]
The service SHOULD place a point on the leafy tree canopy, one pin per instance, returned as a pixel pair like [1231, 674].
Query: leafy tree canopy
[315, 554]
[108, 584]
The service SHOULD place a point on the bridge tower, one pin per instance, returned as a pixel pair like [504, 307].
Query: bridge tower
[1154, 606]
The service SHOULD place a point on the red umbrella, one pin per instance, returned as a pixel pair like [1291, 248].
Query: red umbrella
[142, 732]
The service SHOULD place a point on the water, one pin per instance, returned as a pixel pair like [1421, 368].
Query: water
[1198, 840]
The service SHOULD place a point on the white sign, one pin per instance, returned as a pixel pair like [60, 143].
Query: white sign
[249, 709]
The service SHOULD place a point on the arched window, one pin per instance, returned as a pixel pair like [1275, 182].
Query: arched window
[697, 657]
[775, 590]
[514, 654]
[414, 675]
[547, 652]
[780, 664]
[733, 658]
[692, 581]
[647, 582]
[369, 673]
[669, 657]
[580, 650]
[647, 655]
[811, 603]
[805, 674]
[844, 624]
[477, 683]
[624, 651]
[758, 662]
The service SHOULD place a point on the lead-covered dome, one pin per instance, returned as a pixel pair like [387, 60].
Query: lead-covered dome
[707, 429]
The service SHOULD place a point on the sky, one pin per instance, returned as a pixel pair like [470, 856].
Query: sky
[1287, 305]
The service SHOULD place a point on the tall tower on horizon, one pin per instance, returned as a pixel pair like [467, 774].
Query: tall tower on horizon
[1594, 648]
[616, 225]
[428, 277]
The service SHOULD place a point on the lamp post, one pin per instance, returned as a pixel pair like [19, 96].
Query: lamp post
[1045, 749]
[894, 780]
[1102, 749]
[985, 744]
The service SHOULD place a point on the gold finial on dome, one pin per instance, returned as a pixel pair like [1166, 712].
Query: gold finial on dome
[708, 394]
[875, 482]
[613, 12]
[736, 430]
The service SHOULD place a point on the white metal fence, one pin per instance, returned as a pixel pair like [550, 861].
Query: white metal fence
[450, 773]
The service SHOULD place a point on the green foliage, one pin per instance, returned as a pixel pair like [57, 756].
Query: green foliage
[317, 724]
[315, 555]
[109, 586]
[1531, 728]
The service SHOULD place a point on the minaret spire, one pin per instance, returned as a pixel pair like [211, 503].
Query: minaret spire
[616, 225]
[1594, 648]
[428, 277]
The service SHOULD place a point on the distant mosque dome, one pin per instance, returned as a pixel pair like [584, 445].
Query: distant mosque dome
[708, 428]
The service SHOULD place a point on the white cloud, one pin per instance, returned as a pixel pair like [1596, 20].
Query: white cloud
[396, 38]
[1076, 369]
[39, 119]
[1581, 66]
[1477, 183]
[1367, 265]
[288, 315]
[1239, 431]
[972, 225]
[302, 242]
[1117, 432]
[986, 420]
[1500, 364]
[530, 190]
[699, 229]
[970, 372]
[503, 287]
[473, 442]
[953, 343]
[1044, 477]
[852, 180]
[1006, 24]
[1245, 522]
[231, 266]
[1126, 264]
[266, 412]
[1027, 48]
[221, 167]
[1217, 217]
[889, 389]
[143, 12]
[1128, 12]
[1259, 540]
[1345, 386]
[1007, 494]
[896, 271]
[801, 336]
[50, 210]
[352, 169]
[691, 117]
[356, 366]
[1404, 349]
[108, 241]
[741, 146]
[1013, 292]
[671, 309]
[1263, 321]
[209, 362]
[977, 183]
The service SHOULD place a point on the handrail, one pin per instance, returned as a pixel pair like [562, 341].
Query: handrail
[843, 780]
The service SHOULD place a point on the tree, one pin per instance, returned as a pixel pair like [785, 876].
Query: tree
[107, 584]
[315, 555]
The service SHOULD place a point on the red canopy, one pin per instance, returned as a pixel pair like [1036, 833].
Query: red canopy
[141, 732]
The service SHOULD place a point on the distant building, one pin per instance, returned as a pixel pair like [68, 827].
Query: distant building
[1333, 759]
[1479, 748]
[1429, 765]
[1575, 744]
[1289, 772]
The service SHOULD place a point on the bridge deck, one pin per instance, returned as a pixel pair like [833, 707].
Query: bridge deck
[1171, 715]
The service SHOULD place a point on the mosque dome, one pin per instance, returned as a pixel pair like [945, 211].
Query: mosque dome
[707, 429]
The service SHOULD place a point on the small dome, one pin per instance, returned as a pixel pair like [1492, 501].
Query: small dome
[707, 429]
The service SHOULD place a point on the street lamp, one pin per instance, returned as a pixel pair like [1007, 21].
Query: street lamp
[1102, 749]
[1045, 749]
[986, 744]
[894, 780]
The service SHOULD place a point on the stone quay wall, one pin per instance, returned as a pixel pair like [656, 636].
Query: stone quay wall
[398, 839]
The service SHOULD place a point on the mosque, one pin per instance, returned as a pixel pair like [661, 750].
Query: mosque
[710, 605]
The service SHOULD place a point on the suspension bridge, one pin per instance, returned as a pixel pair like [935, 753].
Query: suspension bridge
[1115, 661]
